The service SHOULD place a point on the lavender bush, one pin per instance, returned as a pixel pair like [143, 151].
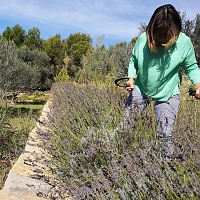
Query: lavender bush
[98, 159]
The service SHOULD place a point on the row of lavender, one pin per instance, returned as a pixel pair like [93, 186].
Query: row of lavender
[97, 159]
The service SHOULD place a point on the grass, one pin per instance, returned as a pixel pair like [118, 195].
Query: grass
[21, 115]
[25, 109]
[97, 160]
[17, 126]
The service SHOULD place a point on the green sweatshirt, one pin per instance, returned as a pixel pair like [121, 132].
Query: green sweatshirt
[158, 74]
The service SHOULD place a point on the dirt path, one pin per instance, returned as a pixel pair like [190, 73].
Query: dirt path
[27, 178]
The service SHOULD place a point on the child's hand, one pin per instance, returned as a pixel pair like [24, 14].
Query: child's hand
[130, 84]
[197, 94]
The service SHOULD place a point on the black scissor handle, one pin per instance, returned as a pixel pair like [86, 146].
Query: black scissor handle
[119, 79]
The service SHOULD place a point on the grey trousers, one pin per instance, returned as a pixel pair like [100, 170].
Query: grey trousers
[165, 113]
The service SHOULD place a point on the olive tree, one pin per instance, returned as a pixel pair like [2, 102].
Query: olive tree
[41, 62]
[15, 74]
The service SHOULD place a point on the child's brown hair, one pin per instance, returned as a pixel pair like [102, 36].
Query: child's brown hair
[164, 27]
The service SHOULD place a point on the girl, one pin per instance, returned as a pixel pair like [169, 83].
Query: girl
[154, 72]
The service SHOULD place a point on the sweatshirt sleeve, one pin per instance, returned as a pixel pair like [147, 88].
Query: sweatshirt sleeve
[133, 63]
[190, 64]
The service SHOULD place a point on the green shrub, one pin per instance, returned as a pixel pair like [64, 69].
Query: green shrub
[62, 76]
[36, 97]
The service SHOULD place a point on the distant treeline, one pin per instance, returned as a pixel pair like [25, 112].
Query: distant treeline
[29, 62]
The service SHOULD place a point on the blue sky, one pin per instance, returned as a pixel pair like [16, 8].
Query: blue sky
[116, 20]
